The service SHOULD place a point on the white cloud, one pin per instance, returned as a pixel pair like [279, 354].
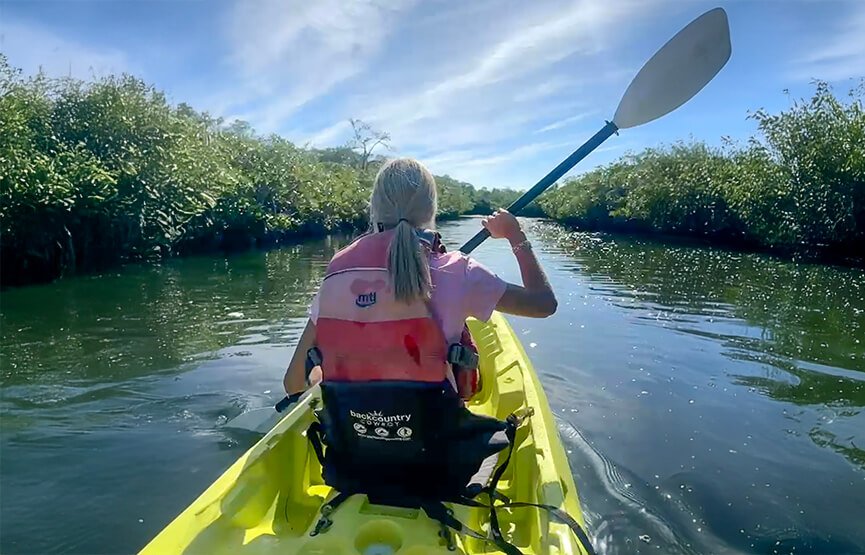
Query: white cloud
[513, 155]
[331, 135]
[549, 34]
[490, 74]
[458, 84]
[541, 76]
[547, 87]
[33, 48]
[838, 54]
[493, 167]
[564, 122]
[289, 52]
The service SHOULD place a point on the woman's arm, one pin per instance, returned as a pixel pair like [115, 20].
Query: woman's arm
[535, 298]
[295, 375]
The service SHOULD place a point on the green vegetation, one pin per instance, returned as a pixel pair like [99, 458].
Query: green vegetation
[487, 200]
[92, 174]
[800, 186]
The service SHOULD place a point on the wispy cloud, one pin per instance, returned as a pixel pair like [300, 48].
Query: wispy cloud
[476, 85]
[333, 134]
[288, 53]
[839, 54]
[565, 122]
[470, 159]
[549, 34]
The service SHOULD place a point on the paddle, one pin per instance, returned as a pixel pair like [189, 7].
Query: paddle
[677, 72]
[261, 421]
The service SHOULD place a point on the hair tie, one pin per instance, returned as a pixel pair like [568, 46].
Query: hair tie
[403, 220]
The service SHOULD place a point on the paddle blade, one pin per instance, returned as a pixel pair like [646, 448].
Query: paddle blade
[258, 421]
[678, 71]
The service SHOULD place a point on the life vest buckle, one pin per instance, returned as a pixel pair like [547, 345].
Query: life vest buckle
[460, 355]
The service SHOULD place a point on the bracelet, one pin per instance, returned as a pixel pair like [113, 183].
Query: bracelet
[520, 246]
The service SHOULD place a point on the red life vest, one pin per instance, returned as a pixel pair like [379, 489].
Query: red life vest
[364, 334]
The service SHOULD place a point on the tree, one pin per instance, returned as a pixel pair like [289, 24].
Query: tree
[366, 139]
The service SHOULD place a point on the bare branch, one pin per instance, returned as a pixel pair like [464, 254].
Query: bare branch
[366, 139]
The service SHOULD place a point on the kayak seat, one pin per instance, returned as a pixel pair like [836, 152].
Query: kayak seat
[404, 443]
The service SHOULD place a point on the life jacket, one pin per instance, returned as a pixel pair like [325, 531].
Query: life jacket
[392, 417]
[370, 336]
[391, 424]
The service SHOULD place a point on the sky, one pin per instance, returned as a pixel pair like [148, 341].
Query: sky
[493, 92]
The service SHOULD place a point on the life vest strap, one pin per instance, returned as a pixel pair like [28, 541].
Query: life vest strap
[458, 355]
[463, 356]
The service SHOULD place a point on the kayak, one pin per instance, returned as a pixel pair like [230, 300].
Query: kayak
[269, 501]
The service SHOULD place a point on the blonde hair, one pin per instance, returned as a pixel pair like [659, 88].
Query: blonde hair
[404, 197]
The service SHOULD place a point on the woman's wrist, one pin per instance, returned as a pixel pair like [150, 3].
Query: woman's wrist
[516, 238]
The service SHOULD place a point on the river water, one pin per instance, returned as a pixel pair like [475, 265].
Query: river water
[710, 401]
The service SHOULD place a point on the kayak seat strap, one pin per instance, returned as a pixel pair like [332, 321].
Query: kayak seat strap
[485, 480]
[563, 517]
[445, 516]
[325, 522]
[313, 434]
[514, 421]
[557, 513]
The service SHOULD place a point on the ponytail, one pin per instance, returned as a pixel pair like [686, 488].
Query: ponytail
[404, 197]
[408, 266]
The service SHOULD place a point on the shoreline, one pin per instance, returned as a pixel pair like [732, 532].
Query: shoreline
[221, 246]
[804, 255]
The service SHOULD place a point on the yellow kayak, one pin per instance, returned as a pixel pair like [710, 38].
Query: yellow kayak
[269, 501]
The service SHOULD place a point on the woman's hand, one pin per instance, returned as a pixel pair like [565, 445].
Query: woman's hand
[503, 224]
[315, 376]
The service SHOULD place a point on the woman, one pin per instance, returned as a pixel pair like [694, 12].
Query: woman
[453, 286]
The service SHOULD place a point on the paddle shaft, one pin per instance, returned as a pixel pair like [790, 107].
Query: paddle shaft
[548, 180]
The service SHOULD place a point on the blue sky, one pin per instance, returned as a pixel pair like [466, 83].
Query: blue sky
[491, 92]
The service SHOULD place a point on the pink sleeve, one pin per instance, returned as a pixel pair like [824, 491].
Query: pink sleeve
[483, 290]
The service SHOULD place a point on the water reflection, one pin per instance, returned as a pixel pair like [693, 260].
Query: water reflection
[710, 401]
[673, 326]
[803, 311]
[142, 320]
[114, 388]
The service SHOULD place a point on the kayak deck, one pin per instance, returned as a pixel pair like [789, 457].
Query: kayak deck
[268, 501]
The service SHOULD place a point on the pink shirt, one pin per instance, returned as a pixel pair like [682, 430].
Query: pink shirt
[462, 287]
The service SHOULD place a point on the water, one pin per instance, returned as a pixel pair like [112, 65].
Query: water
[710, 401]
